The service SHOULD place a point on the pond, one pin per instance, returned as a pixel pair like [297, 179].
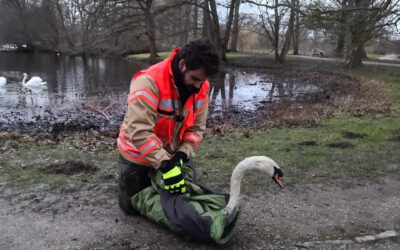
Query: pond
[73, 82]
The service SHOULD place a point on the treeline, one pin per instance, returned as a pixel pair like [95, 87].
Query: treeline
[131, 26]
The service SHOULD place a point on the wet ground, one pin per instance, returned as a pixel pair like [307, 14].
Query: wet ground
[302, 217]
[89, 93]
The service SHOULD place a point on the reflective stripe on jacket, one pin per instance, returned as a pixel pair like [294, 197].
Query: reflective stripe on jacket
[155, 124]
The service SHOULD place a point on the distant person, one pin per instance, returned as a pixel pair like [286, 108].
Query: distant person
[165, 119]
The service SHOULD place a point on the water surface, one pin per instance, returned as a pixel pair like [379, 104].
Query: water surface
[76, 81]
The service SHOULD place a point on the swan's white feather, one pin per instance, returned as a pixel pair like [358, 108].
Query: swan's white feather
[3, 81]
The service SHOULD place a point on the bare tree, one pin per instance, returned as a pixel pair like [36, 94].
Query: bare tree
[207, 30]
[363, 23]
[196, 19]
[355, 22]
[215, 28]
[228, 30]
[341, 30]
[277, 21]
[296, 33]
[235, 28]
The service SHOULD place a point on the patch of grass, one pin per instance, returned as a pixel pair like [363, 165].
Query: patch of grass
[22, 178]
[371, 156]
[146, 56]
[246, 54]
[23, 168]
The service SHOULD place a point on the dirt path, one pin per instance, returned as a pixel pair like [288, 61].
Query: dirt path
[91, 219]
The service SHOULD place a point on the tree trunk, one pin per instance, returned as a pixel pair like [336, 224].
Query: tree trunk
[339, 50]
[364, 53]
[357, 24]
[348, 30]
[196, 20]
[288, 35]
[185, 15]
[151, 34]
[216, 30]
[276, 31]
[341, 42]
[227, 30]
[296, 36]
[207, 26]
[235, 28]
[356, 58]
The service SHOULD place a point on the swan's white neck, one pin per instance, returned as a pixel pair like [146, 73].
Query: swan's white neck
[23, 80]
[260, 163]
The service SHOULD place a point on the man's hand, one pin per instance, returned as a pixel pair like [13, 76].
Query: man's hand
[180, 156]
[172, 174]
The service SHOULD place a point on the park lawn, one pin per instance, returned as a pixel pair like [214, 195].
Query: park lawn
[146, 56]
[310, 155]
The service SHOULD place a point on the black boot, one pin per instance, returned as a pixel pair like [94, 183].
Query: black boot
[132, 179]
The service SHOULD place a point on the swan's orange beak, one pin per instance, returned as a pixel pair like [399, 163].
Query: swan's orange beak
[278, 180]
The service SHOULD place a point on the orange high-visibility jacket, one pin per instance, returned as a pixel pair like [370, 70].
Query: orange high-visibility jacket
[156, 125]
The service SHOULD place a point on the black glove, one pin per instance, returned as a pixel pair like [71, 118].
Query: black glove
[172, 173]
[180, 156]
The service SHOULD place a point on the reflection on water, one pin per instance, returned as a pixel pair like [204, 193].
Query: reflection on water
[74, 80]
[68, 79]
[245, 91]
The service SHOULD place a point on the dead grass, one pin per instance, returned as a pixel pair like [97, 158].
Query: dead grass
[367, 98]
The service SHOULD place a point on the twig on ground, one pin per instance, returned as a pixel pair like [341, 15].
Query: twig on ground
[99, 111]
[109, 106]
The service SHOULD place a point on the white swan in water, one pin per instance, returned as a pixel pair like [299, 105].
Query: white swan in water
[260, 163]
[3, 81]
[34, 81]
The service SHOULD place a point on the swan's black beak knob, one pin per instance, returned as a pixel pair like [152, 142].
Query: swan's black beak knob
[277, 175]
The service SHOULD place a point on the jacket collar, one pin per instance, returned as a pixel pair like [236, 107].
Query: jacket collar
[170, 59]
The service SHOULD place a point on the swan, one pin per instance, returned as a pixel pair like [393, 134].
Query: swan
[260, 163]
[200, 214]
[34, 81]
[3, 81]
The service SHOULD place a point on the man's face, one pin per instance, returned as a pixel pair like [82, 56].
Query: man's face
[192, 78]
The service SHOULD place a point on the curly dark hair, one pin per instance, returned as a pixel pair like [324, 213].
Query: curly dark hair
[200, 54]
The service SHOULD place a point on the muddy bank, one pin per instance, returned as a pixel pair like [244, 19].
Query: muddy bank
[60, 119]
[269, 97]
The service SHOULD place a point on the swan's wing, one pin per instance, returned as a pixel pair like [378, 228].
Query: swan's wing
[34, 80]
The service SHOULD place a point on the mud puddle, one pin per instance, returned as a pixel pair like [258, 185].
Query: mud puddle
[69, 168]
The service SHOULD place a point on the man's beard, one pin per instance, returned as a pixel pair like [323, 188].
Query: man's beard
[191, 89]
